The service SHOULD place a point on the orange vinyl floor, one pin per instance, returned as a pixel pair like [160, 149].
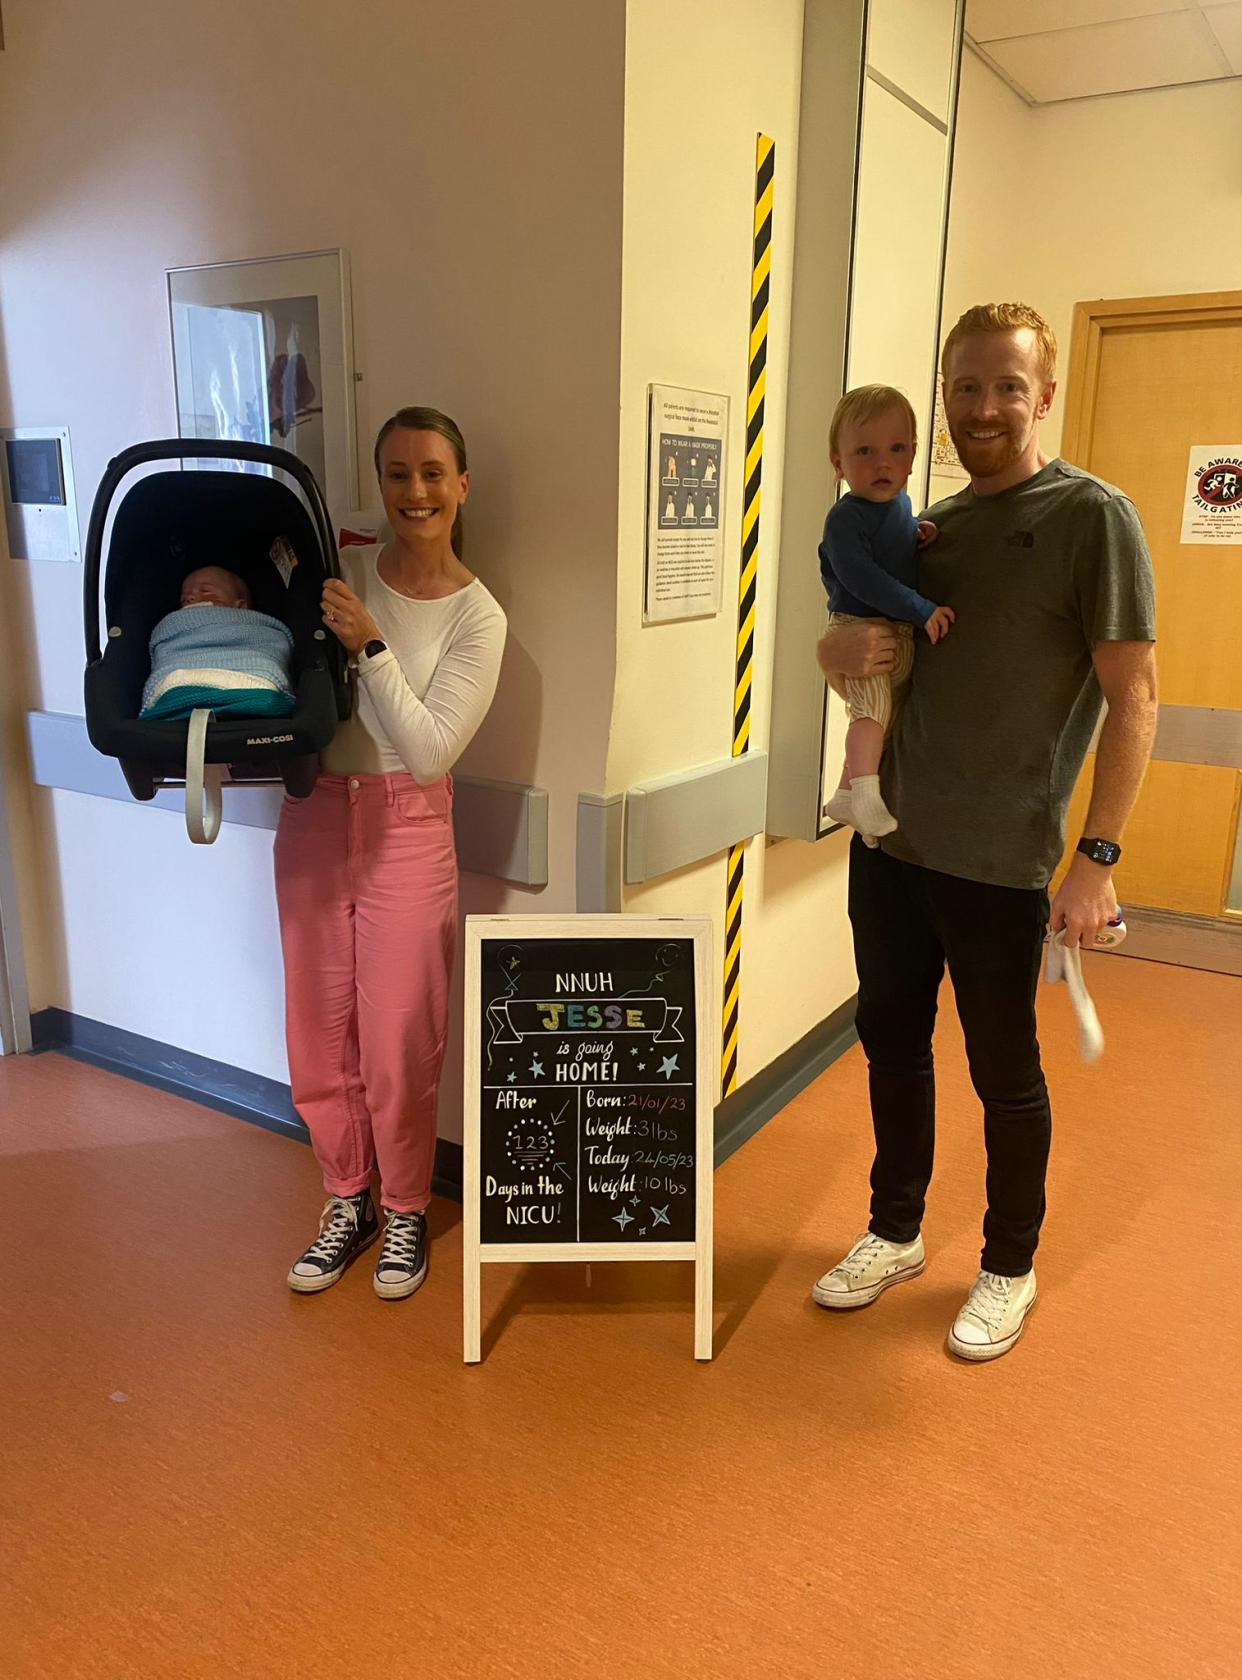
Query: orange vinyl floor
[203, 1475]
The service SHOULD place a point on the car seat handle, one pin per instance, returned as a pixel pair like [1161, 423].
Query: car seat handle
[202, 820]
[176, 449]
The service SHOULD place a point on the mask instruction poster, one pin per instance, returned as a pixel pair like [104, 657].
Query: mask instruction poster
[1212, 508]
[685, 478]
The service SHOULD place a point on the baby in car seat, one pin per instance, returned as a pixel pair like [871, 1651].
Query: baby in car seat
[216, 652]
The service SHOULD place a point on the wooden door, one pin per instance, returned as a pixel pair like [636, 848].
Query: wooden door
[1150, 378]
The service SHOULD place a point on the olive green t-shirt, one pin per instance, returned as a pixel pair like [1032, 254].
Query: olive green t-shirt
[984, 754]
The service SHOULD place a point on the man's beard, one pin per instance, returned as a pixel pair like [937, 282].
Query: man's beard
[987, 459]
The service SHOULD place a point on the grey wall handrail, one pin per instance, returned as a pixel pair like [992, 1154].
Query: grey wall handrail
[501, 828]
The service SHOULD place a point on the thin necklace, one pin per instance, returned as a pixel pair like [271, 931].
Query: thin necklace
[403, 588]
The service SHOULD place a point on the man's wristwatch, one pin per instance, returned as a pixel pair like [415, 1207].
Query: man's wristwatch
[1106, 852]
[374, 648]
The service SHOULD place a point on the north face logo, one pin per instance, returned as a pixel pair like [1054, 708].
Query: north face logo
[1020, 539]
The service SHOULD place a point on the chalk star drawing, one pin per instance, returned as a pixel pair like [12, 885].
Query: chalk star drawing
[642, 1067]
[536, 1068]
[633, 1049]
[642, 1230]
[668, 1067]
[513, 1079]
[623, 1219]
[659, 1216]
[634, 1200]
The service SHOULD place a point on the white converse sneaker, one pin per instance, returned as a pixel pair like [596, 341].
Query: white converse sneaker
[870, 1267]
[994, 1316]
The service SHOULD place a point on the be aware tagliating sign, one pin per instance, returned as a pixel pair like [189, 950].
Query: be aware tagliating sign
[1212, 509]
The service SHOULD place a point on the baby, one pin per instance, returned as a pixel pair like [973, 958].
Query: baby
[868, 564]
[234, 662]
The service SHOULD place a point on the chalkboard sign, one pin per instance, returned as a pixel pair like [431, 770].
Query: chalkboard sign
[589, 1095]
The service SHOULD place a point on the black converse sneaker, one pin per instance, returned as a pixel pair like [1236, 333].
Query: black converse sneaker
[347, 1225]
[403, 1261]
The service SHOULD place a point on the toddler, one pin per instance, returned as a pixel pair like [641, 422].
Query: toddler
[868, 563]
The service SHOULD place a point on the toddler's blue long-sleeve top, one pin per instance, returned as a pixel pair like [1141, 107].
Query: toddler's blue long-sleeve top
[868, 560]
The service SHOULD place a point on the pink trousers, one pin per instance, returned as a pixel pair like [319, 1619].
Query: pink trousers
[366, 889]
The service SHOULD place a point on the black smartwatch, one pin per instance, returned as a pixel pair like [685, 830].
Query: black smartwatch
[374, 648]
[1107, 852]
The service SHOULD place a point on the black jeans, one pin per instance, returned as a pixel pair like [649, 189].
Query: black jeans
[907, 923]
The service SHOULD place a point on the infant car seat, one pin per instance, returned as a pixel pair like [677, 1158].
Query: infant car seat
[166, 525]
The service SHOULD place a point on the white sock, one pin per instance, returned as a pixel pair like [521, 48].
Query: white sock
[870, 814]
[841, 807]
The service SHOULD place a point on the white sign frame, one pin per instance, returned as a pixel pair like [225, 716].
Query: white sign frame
[681, 426]
[476, 1253]
[1203, 521]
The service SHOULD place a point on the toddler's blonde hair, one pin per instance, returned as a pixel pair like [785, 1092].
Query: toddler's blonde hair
[868, 402]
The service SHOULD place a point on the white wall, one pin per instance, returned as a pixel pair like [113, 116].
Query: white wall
[1136, 195]
[471, 160]
[468, 157]
[695, 100]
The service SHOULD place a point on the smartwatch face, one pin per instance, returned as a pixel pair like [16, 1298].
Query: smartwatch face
[1101, 851]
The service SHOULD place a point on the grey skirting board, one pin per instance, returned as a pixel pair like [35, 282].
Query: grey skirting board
[267, 1103]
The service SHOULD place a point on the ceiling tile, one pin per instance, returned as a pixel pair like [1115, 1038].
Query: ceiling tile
[1110, 57]
[1226, 22]
[992, 20]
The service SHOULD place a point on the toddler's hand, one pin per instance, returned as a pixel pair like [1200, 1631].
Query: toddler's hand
[937, 625]
[927, 533]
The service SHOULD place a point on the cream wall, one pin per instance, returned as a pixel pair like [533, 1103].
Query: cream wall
[511, 283]
[23, 946]
[486, 280]
[701, 95]
[695, 98]
[1131, 196]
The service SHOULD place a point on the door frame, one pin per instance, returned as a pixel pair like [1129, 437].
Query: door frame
[1091, 321]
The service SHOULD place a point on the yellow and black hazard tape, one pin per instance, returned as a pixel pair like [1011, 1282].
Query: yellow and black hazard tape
[756, 388]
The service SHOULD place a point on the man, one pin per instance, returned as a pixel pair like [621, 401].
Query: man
[1049, 575]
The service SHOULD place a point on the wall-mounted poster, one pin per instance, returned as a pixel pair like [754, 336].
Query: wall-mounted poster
[686, 433]
[944, 457]
[263, 353]
[1212, 509]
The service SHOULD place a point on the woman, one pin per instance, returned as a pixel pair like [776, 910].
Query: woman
[366, 874]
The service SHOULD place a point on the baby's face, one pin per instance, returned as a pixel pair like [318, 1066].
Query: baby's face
[212, 586]
[875, 456]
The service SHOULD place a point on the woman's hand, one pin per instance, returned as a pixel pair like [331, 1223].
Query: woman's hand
[347, 618]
